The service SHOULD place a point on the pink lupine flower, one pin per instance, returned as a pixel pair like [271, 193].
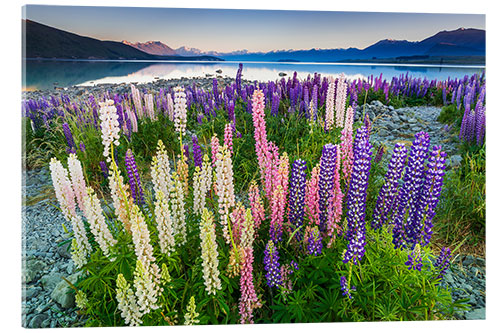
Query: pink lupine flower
[214, 143]
[248, 299]
[228, 137]
[237, 219]
[312, 197]
[260, 134]
[340, 100]
[271, 163]
[330, 105]
[277, 214]
[346, 148]
[62, 187]
[256, 204]
[148, 102]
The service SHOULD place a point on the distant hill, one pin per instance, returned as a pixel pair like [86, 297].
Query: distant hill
[151, 47]
[42, 41]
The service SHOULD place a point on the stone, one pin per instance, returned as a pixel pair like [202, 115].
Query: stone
[65, 250]
[63, 294]
[377, 104]
[33, 268]
[31, 292]
[476, 314]
[282, 74]
[50, 280]
[454, 161]
[37, 320]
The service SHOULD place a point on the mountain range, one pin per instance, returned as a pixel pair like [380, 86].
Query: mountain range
[460, 45]
[44, 42]
[457, 43]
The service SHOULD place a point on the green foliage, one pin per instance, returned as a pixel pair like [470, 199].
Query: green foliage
[461, 211]
[450, 115]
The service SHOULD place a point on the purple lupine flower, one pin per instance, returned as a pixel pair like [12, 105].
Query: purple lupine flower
[275, 103]
[326, 175]
[415, 259]
[271, 265]
[297, 194]
[230, 111]
[443, 262]
[413, 180]
[104, 169]
[314, 242]
[480, 123]
[238, 78]
[69, 137]
[314, 103]
[389, 190]
[380, 153]
[356, 197]
[294, 265]
[82, 147]
[134, 179]
[346, 291]
[186, 152]
[419, 225]
[197, 154]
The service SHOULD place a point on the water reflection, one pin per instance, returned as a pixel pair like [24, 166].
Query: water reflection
[48, 74]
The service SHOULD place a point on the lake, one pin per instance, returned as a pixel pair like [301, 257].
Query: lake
[47, 74]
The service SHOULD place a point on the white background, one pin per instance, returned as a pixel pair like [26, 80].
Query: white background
[10, 160]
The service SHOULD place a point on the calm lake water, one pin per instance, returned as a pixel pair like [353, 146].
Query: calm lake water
[49, 74]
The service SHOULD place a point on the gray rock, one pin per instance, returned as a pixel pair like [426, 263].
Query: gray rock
[65, 250]
[37, 320]
[33, 269]
[377, 104]
[31, 292]
[50, 280]
[63, 294]
[476, 314]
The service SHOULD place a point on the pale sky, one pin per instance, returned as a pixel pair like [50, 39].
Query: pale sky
[227, 30]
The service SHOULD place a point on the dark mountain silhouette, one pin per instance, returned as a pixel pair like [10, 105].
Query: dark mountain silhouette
[42, 41]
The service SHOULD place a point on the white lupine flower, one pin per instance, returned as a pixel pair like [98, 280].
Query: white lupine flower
[80, 245]
[164, 223]
[146, 289]
[142, 245]
[177, 209]
[170, 107]
[330, 105]
[207, 172]
[209, 253]
[98, 226]
[160, 171]
[109, 126]
[148, 101]
[121, 198]
[127, 302]
[62, 188]
[247, 231]
[180, 110]
[202, 181]
[340, 100]
[225, 188]
[77, 180]
[136, 97]
[191, 314]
